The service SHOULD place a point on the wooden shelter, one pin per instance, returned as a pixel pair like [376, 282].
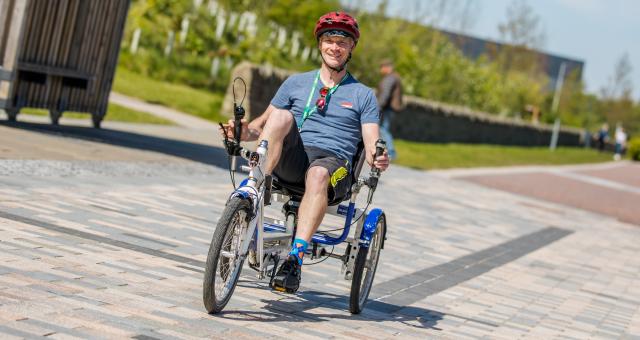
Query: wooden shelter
[59, 55]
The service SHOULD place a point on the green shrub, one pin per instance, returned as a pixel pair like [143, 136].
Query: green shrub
[634, 149]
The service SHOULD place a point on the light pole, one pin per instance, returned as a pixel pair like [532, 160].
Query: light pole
[554, 106]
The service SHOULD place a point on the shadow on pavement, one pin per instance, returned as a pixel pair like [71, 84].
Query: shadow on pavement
[202, 153]
[298, 308]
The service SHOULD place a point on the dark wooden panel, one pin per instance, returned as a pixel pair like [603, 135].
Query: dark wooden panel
[74, 45]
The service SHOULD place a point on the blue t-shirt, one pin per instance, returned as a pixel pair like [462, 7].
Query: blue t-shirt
[337, 128]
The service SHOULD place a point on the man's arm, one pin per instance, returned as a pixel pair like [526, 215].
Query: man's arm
[250, 131]
[370, 134]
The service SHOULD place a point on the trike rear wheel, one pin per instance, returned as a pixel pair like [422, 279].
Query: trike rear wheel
[364, 269]
[224, 261]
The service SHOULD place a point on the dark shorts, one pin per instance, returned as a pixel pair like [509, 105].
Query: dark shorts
[296, 159]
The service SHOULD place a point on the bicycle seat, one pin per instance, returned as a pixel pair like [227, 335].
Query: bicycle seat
[295, 192]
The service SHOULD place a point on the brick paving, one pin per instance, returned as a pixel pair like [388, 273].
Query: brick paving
[613, 191]
[114, 247]
[627, 174]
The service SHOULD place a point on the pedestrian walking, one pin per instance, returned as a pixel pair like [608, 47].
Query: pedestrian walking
[603, 136]
[621, 142]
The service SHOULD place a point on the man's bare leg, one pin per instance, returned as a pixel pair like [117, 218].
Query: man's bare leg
[310, 214]
[314, 203]
[275, 129]
[315, 200]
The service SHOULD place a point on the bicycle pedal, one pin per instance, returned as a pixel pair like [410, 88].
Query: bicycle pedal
[278, 285]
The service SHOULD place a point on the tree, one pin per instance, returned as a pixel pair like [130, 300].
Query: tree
[522, 33]
[578, 108]
[300, 16]
[467, 16]
[522, 27]
[620, 85]
[617, 102]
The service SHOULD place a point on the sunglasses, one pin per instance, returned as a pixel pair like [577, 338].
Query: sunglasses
[322, 101]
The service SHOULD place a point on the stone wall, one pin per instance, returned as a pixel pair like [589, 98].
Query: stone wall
[262, 84]
[433, 122]
[422, 120]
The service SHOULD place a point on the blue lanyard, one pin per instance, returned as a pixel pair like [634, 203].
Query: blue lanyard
[308, 110]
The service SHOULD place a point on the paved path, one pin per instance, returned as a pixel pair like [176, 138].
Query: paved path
[611, 188]
[180, 118]
[104, 234]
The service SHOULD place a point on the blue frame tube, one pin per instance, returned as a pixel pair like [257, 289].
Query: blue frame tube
[332, 241]
[320, 238]
[270, 227]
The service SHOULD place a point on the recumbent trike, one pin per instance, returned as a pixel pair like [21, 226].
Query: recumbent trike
[243, 232]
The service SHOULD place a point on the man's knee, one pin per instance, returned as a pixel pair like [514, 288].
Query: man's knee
[280, 120]
[317, 179]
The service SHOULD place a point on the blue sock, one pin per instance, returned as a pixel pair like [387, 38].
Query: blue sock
[298, 249]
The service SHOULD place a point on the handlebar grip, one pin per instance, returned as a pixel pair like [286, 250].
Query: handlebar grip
[375, 172]
[380, 147]
[238, 114]
[237, 130]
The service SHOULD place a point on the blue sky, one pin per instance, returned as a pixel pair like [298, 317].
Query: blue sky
[597, 32]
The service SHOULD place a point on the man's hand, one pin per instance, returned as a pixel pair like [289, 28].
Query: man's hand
[382, 161]
[228, 129]
[370, 135]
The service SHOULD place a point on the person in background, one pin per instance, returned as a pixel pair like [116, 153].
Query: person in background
[621, 142]
[389, 101]
[603, 136]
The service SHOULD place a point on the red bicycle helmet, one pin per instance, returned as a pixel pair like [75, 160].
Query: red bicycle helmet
[337, 21]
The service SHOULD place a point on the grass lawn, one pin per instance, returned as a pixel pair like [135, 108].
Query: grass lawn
[114, 113]
[205, 104]
[444, 156]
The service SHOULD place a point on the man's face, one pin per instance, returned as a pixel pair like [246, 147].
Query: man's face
[335, 49]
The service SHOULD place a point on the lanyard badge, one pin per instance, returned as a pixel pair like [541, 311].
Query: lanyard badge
[322, 102]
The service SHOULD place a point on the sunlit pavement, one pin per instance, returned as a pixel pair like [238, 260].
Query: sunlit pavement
[111, 243]
[611, 188]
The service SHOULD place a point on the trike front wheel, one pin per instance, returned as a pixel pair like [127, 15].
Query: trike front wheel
[364, 269]
[224, 261]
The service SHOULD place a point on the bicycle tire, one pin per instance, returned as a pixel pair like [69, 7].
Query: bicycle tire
[217, 269]
[362, 279]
